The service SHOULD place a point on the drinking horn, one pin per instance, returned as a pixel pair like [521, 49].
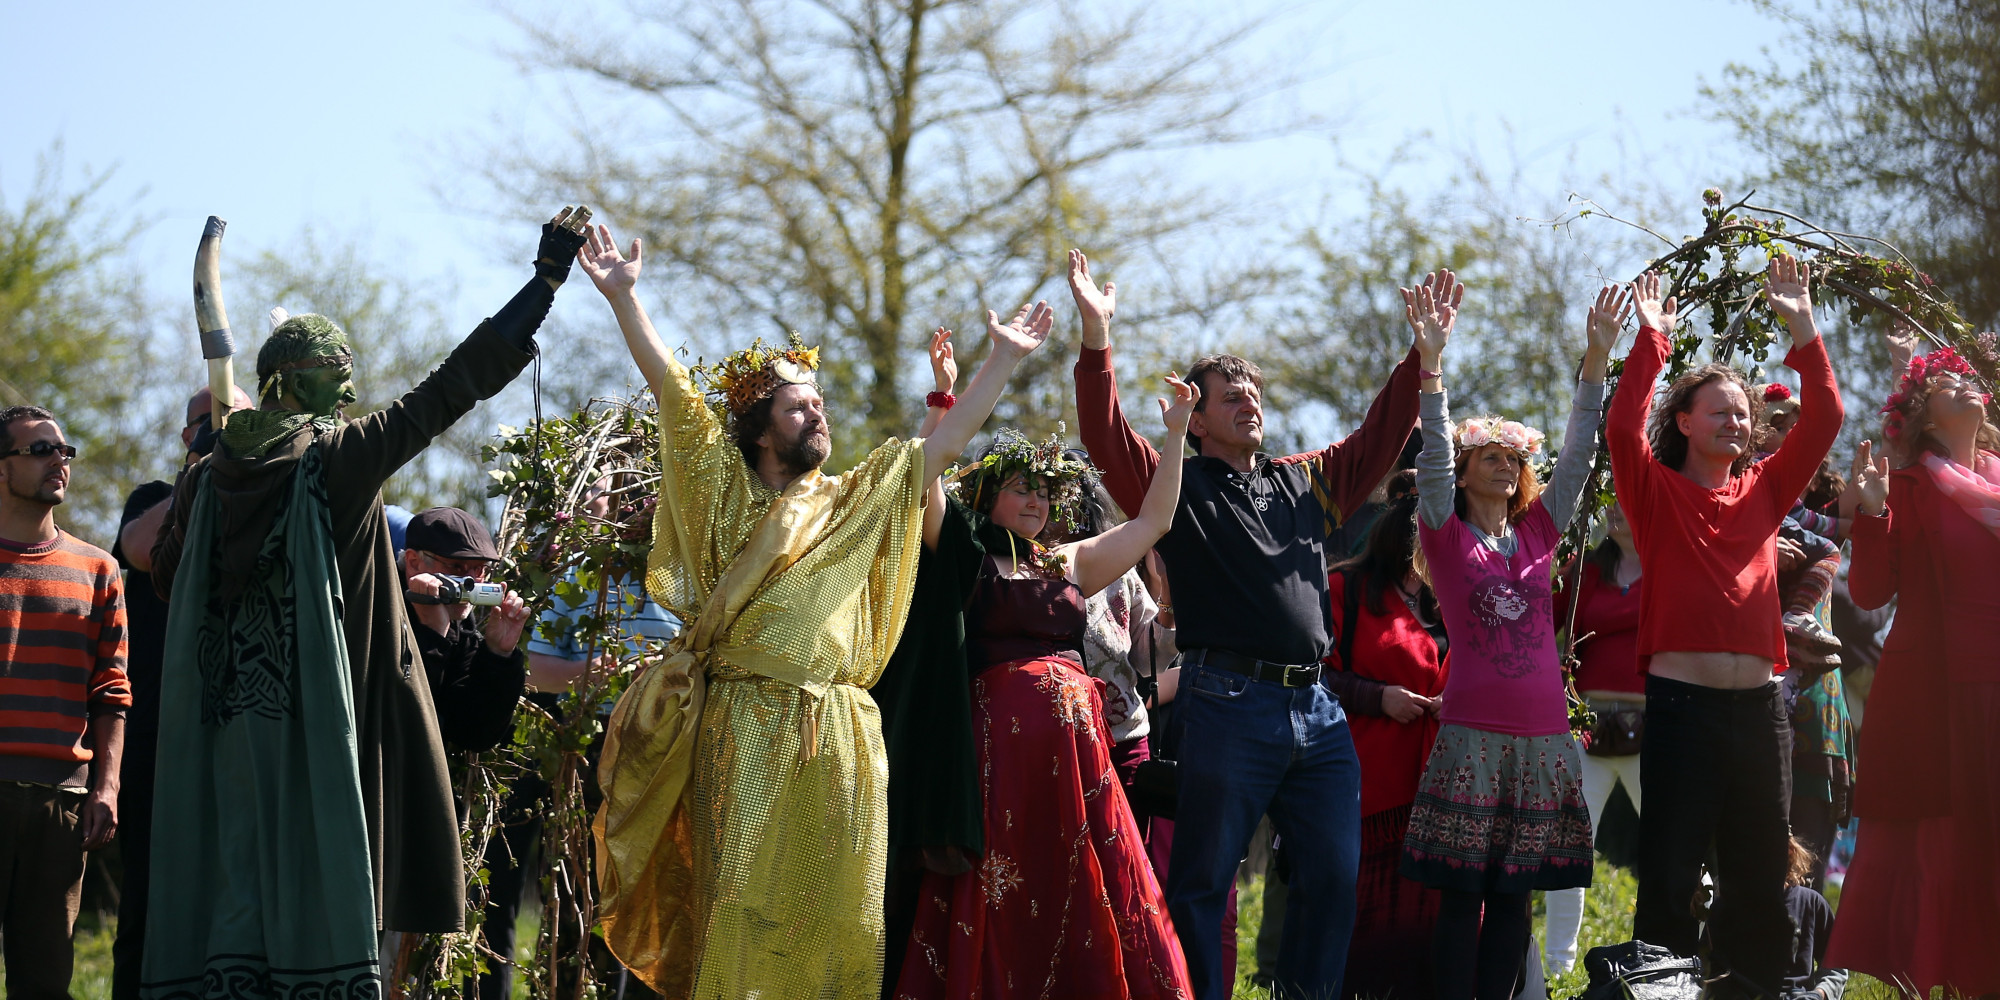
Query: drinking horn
[212, 320]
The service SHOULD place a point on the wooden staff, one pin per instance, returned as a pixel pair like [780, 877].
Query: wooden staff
[212, 320]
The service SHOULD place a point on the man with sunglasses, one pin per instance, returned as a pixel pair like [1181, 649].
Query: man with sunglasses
[63, 693]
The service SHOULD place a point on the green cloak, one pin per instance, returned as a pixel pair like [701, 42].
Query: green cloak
[260, 838]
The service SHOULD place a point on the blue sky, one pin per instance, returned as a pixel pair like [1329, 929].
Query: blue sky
[352, 118]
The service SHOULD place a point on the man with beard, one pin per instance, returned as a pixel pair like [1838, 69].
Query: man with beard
[302, 803]
[63, 694]
[743, 840]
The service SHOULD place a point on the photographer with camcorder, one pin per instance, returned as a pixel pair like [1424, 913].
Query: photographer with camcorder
[477, 669]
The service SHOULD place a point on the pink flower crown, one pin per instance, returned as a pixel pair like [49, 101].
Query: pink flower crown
[1480, 431]
[1923, 367]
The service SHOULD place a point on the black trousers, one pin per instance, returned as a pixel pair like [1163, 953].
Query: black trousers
[1717, 776]
[135, 849]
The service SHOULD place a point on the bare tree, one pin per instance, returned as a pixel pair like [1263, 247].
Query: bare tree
[863, 170]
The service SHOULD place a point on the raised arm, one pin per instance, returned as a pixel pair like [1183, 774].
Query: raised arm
[1012, 341]
[1788, 290]
[1572, 471]
[1102, 559]
[364, 453]
[1350, 468]
[1432, 310]
[1625, 424]
[1874, 575]
[944, 374]
[1126, 458]
[617, 277]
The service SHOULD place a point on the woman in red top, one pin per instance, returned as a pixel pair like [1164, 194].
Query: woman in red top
[1609, 678]
[1921, 903]
[1392, 636]
[1717, 744]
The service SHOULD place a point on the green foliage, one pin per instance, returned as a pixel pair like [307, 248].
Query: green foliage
[76, 336]
[1892, 124]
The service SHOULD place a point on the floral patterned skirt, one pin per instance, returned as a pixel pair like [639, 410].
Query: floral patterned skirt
[1500, 813]
[1064, 903]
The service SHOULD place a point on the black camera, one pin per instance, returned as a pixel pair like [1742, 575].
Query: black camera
[463, 590]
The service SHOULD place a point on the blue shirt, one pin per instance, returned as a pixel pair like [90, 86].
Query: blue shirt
[638, 616]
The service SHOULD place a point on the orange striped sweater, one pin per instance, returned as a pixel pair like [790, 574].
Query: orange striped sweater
[62, 656]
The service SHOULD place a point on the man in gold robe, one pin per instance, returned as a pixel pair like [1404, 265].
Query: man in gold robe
[742, 844]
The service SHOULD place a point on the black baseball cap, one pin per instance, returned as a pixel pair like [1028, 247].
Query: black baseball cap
[450, 533]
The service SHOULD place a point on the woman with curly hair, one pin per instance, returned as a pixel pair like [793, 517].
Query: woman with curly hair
[1921, 903]
[1716, 752]
[1064, 900]
[1499, 811]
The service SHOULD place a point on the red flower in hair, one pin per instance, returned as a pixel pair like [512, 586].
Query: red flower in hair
[1923, 367]
[1776, 392]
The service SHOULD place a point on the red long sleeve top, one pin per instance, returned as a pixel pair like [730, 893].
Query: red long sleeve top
[1710, 557]
[1246, 555]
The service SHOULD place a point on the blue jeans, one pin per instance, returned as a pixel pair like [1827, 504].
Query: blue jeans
[1249, 748]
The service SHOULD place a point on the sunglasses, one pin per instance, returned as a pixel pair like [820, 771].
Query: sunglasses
[43, 449]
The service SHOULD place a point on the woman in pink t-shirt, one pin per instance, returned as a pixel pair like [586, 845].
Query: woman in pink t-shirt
[1500, 809]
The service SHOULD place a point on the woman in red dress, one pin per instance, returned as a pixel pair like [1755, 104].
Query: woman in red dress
[1064, 902]
[1389, 671]
[1921, 903]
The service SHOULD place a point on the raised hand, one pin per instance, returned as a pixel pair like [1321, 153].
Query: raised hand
[1607, 318]
[1901, 339]
[1787, 292]
[1868, 479]
[609, 270]
[1432, 309]
[1026, 331]
[1659, 315]
[944, 368]
[562, 236]
[1094, 306]
[1177, 415]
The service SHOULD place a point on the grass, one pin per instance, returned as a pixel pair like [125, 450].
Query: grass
[1607, 919]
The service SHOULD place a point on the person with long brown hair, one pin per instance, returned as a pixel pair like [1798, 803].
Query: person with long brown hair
[1391, 664]
[1921, 902]
[1717, 744]
[1499, 811]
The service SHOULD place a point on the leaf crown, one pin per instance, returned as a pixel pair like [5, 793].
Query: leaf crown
[1047, 465]
[740, 380]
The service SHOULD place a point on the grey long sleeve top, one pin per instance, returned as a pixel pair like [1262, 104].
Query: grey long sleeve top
[1436, 486]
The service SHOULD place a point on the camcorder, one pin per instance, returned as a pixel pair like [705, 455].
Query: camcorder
[463, 590]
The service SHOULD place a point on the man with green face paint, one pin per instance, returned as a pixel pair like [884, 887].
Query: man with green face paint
[302, 803]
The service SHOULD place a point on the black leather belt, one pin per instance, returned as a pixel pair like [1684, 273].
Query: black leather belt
[1287, 674]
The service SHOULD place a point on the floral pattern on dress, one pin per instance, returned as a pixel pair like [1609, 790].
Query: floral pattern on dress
[1502, 812]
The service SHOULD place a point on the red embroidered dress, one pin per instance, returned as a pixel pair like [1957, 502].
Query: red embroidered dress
[1064, 902]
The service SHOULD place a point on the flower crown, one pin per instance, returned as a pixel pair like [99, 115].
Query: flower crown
[1045, 465]
[741, 379]
[1480, 431]
[1912, 392]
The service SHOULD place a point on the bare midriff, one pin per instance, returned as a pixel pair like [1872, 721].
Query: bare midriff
[1727, 671]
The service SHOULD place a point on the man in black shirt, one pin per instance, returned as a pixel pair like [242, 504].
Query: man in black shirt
[146, 638]
[477, 670]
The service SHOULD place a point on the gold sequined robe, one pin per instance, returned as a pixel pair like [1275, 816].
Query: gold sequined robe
[742, 843]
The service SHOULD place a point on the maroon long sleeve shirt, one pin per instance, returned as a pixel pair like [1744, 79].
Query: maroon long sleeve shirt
[1246, 556]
